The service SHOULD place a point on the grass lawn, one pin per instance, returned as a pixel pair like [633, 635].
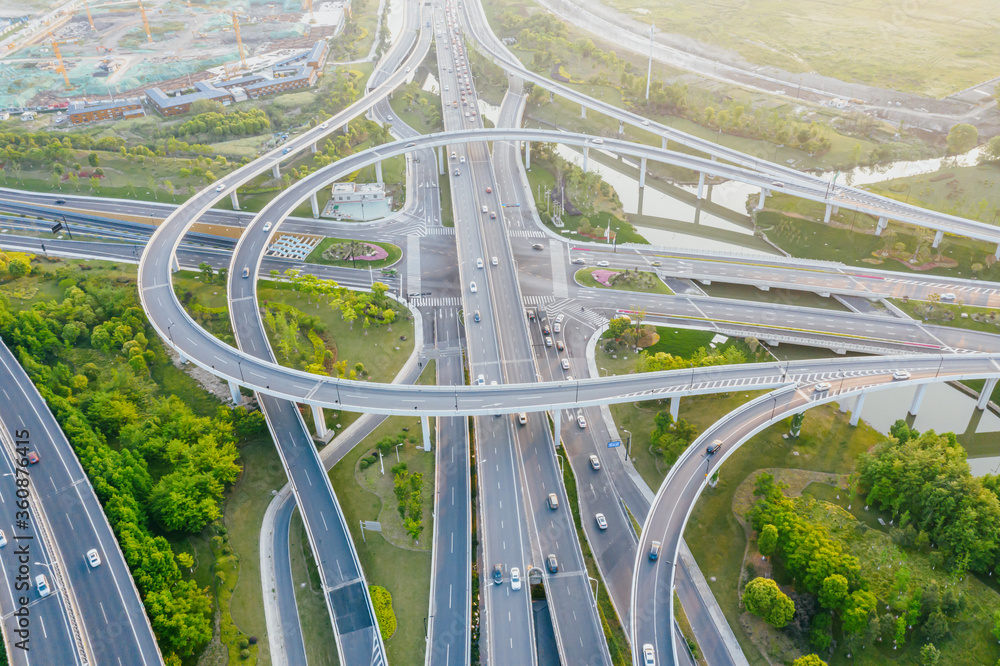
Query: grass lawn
[447, 213]
[746, 292]
[964, 191]
[423, 114]
[928, 50]
[316, 256]
[826, 444]
[206, 303]
[244, 511]
[797, 227]
[405, 572]
[382, 350]
[640, 281]
[618, 645]
[683, 342]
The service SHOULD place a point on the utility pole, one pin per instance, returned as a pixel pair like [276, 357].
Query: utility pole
[649, 70]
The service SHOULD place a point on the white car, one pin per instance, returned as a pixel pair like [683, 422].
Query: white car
[602, 522]
[485, 209]
[472, 287]
[522, 418]
[821, 387]
[3, 539]
[645, 123]
[580, 421]
[603, 264]
[648, 655]
[446, 88]
[900, 375]
[481, 380]
[557, 327]
[515, 579]
[267, 226]
[493, 260]
[324, 125]
[479, 262]
[595, 462]
[93, 559]
[220, 187]
[42, 583]
[560, 318]
[565, 364]
[548, 341]
[597, 141]
[462, 159]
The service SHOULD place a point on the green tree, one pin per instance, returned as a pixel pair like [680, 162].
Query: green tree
[962, 138]
[206, 272]
[796, 426]
[767, 540]
[809, 660]
[929, 655]
[833, 591]
[93, 160]
[763, 598]
[858, 606]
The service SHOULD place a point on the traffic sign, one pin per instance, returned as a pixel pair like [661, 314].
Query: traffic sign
[614, 444]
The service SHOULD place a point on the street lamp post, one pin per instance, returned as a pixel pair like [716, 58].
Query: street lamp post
[397, 451]
[628, 443]
[605, 371]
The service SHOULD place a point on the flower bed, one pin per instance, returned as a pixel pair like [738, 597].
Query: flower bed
[372, 253]
[603, 276]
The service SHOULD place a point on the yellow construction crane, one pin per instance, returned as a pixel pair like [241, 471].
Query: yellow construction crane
[61, 67]
[145, 22]
[239, 41]
[89, 17]
[312, 19]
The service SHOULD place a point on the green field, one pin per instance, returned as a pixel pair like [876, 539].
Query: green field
[645, 282]
[933, 47]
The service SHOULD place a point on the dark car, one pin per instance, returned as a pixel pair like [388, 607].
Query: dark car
[552, 563]
[497, 574]
[714, 446]
[60, 201]
[545, 329]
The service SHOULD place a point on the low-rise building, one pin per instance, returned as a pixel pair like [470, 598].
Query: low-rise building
[356, 192]
[89, 112]
[174, 105]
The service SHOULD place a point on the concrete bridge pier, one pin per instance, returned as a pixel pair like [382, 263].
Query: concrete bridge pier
[320, 421]
[174, 264]
[527, 155]
[315, 204]
[184, 359]
[583, 111]
[663, 142]
[826, 215]
[997, 253]
[882, 223]
[234, 392]
[557, 426]
[984, 395]
[675, 407]
[312, 148]
[345, 128]
[586, 156]
[701, 185]
[642, 172]
[276, 170]
[236, 202]
[425, 425]
[918, 397]
[440, 161]
[938, 236]
[763, 197]
[621, 127]
[378, 172]
[856, 412]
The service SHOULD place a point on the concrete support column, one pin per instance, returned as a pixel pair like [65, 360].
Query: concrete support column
[856, 413]
[315, 204]
[586, 156]
[621, 127]
[440, 160]
[276, 171]
[836, 209]
[320, 421]
[701, 185]
[882, 223]
[917, 399]
[984, 395]
[763, 197]
[583, 111]
[174, 265]
[378, 172]
[234, 392]
[997, 253]
[313, 148]
[345, 128]
[663, 142]
[236, 202]
[527, 155]
[425, 425]
[642, 172]
[826, 215]
[184, 359]
[557, 426]
[938, 235]
[675, 408]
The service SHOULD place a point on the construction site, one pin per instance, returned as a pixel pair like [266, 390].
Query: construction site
[89, 49]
